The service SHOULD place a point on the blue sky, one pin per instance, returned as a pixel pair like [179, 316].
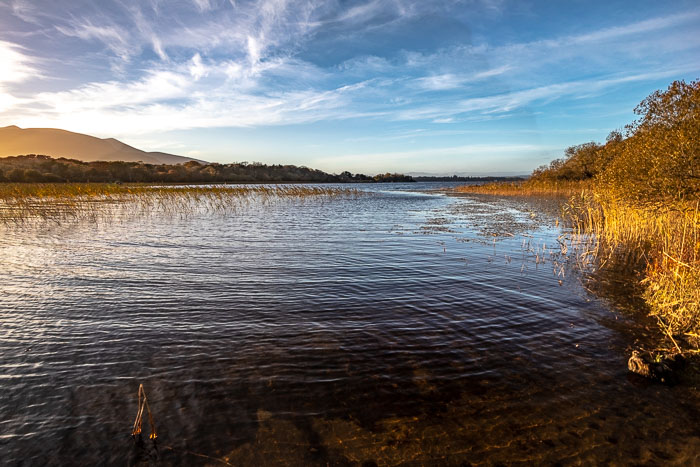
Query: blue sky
[467, 87]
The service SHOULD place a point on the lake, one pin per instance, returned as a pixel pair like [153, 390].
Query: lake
[398, 326]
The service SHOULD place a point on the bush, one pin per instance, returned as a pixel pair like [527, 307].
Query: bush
[659, 162]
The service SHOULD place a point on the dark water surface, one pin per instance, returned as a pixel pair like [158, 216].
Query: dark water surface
[392, 328]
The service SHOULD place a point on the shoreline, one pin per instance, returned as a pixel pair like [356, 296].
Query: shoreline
[586, 211]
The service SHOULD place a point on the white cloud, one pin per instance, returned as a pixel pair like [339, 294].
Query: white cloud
[15, 65]
[114, 96]
[363, 12]
[197, 68]
[158, 48]
[145, 29]
[203, 5]
[169, 100]
[7, 101]
[440, 82]
[254, 49]
[16, 68]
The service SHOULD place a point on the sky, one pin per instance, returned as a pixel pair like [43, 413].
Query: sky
[468, 87]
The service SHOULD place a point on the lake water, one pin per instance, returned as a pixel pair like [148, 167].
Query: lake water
[396, 327]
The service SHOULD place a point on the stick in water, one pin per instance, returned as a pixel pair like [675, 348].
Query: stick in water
[138, 423]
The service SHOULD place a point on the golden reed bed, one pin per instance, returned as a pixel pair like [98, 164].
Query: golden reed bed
[56, 201]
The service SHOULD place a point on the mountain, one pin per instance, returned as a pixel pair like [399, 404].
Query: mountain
[61, 143]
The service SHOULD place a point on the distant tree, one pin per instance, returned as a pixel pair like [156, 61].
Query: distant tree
[16, 175]
[32, 175]
[389, 177]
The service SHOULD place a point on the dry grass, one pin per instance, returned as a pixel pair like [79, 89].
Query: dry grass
[527, 188]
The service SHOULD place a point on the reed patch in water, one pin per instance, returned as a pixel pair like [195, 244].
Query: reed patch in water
[20, 202]
[665, 239]
[528, 188]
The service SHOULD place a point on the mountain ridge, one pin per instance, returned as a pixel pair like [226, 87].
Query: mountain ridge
[56, 143]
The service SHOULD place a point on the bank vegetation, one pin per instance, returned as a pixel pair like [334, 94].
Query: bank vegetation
[34, 168]
[638, 196]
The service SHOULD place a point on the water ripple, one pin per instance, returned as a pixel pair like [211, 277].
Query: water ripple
[382, 328]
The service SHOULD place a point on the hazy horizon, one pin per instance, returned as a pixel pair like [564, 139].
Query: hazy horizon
[468, 87]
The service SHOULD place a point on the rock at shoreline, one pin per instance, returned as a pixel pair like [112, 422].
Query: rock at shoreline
[657, 365]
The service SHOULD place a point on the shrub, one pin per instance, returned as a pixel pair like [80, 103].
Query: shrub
[659, 162]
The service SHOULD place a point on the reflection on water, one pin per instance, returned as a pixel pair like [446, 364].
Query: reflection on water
[383, 329]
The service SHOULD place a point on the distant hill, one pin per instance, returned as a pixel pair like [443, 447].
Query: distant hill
[61, 143]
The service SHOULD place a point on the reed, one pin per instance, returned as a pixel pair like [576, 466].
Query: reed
[665, 239]
[529, 188]
[53, 191]
[22, 201]
[138, 422]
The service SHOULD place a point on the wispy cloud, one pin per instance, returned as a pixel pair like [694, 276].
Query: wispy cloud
[25, 10]
[146, 30]
[510, 101]
[449, 81]
[157, 87]
[112, 36]
[640, 27]
[366, 11]
[196, 95]
[176, 100]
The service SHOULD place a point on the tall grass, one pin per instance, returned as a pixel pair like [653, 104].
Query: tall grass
[53, 191]
[20, 201]
[528, 187]
[666, 239]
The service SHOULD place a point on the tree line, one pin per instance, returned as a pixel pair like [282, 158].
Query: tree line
[34, 168]
[653, 160]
